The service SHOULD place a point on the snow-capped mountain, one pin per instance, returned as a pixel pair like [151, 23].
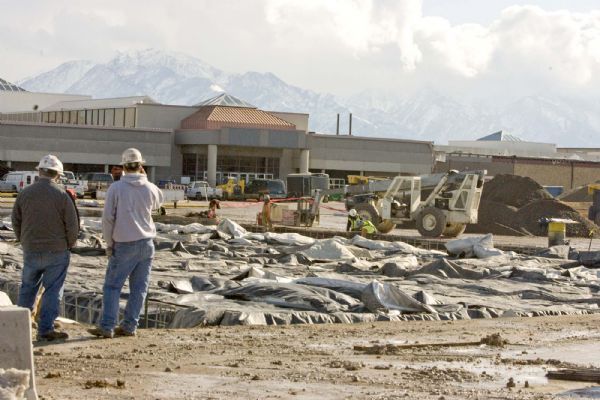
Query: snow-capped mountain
[175, 78]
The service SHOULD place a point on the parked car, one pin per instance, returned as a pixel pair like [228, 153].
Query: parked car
[200, 190]
[258, 188]
[95, 181]
[69, 182]
[15, 181]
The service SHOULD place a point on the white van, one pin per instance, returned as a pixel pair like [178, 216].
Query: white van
[15, 181]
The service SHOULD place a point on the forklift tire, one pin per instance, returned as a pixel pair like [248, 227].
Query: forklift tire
[431, 222]
[367, 211]
[385, 226]
[454, 230]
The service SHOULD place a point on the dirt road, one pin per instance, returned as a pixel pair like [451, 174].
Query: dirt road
[320, 361]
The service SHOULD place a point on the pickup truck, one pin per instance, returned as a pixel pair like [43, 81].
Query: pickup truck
[96, 181]
[69, 182]
[200, 190]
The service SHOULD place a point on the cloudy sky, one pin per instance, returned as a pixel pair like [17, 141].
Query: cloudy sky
[468, 47]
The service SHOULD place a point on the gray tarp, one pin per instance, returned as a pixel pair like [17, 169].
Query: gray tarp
[225, 275]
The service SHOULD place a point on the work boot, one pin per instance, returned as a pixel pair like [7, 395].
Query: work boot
[53, 335]
[101, 333]
[120, 331]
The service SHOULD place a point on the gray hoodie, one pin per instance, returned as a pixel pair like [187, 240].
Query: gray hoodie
[128, 207]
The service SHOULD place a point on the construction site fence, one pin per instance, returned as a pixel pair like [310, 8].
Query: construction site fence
[86, 307]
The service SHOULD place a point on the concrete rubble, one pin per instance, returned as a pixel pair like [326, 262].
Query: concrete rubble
[13, 383]
[225, 275]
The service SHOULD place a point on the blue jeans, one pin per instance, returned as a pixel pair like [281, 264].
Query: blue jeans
[48, 269]
[131, 260]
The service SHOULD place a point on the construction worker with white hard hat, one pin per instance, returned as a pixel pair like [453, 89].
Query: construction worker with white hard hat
[45, 221]
[357, 224]
[129, 231]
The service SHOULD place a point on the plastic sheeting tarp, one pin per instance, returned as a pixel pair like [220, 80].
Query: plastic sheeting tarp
[480, 246]
[289, 295]
[328, 249]
[383, 296]
[221, 279]
[232, 228]
[294, 239]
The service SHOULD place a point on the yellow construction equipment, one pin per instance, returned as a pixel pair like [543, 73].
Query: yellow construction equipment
[362, 180]
[233, 189]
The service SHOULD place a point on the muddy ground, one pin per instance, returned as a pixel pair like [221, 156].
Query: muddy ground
[320, 361]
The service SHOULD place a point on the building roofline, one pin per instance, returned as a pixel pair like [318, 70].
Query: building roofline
[286, 112]
[356, 137]
[73, 126]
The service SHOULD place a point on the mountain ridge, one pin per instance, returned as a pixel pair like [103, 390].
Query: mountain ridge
[177, 78]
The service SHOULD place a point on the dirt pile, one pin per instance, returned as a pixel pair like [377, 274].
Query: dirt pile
[512, 205]
[578, 195]
[513, 190]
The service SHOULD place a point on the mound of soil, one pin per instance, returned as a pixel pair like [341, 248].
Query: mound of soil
[578, 195]
[513, 205]
[513, 190]
[496, 218]
[534, 211]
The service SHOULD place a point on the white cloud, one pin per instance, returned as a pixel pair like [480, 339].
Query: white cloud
[341, 46]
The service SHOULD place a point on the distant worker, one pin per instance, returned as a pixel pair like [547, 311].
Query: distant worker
[128, 230]
[357, 224]
[213, 206]
[116, 171]
[45, 221]
[266, 213]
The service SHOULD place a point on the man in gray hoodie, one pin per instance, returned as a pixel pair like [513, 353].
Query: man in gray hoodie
[128, 230]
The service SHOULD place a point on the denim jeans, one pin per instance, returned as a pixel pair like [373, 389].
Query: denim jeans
[131, 260]
[50, 270]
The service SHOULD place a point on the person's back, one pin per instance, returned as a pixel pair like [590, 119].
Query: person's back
[45, 218]
[128, 209]
[45, 222]
[129, 231]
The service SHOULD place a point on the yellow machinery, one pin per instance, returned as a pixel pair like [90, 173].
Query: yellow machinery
[363, 180]
[233, 189]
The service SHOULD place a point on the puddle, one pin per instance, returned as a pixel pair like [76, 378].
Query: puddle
[587, 353]
[584, 393]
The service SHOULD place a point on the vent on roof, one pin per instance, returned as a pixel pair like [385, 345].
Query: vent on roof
[10, 87]
[225, 100]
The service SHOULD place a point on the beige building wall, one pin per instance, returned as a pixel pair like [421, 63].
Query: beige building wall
[546, 174]
[584, 174]
[300, 120]
[162, 116]
[354, 153]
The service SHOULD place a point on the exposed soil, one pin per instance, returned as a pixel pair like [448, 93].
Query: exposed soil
[579, 194]
[513, 190]
[320, 361]
[513, 205]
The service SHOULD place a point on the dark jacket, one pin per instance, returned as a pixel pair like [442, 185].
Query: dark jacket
[44, 218]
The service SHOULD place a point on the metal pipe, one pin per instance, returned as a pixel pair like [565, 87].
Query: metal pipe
[337, 126]
[350, 125]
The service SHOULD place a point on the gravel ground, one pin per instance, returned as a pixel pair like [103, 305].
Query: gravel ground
[321, 361]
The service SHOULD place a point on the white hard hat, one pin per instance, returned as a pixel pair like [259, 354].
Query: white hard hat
[132, 155]
[352, 213]
[52, 163]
